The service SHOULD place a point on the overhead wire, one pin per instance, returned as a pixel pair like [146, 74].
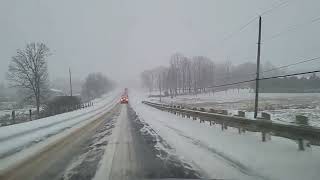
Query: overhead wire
[276, 68]
[282, 4]
[296, 63]
[292, 28]
[251, 20]
[266, 78]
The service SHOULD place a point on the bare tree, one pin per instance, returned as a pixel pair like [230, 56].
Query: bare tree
[199, 74]
[95, 85]
[28, 72]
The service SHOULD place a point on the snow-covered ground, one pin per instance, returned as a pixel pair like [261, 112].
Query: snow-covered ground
[227, 154]
[18, 137]
[283, 107]
[17, 111]
[5, 112]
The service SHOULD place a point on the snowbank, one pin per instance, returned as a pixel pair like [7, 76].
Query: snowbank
[17, 137]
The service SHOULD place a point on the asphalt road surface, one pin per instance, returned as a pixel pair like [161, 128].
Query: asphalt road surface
[111, 147]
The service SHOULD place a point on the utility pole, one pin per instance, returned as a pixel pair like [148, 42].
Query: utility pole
[160, 86]
[258, 72]
[70, 82]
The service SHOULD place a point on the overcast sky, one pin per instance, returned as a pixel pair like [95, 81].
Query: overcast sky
[121, 38]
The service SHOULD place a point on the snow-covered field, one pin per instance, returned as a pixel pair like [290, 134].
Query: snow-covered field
[5, 112]
[283, 107]
[17, 111]
[227, 154]
[18, 137]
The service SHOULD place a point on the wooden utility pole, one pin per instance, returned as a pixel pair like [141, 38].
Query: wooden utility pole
[70, 82]
[258, 72]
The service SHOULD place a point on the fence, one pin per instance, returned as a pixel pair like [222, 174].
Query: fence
[304, 135]
[19, 117]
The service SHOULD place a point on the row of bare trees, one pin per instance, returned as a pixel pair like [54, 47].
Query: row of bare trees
[198, 74]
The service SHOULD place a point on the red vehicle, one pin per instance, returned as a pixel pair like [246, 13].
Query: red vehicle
[124, 100]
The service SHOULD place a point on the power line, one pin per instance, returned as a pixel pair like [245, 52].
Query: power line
[276, 68]
[252, 20]
[229, 84]
[285, 66]
[284, 3]
[288, 75]
[239, 30]
[266, 78]
[291, 28]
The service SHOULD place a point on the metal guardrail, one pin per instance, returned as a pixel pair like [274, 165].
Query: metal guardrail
[304, 135]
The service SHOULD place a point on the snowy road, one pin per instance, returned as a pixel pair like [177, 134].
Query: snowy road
[110, 147]
[131, 154]
[136, 141]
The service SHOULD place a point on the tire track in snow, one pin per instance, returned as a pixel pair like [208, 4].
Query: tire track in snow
[230, 161]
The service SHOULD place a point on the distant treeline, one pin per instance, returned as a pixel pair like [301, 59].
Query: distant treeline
[291, 85]
[186, 75]
[189, 75]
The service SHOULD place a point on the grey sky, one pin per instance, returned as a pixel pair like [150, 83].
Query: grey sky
[123, 37]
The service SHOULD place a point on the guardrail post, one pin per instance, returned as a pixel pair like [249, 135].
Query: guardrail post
[265, 116]
[265, 135]
[303, 144]
[224, 126]
[302, 120]
[30, 114]
[13, 116]
[224, 112]
[241, 114]
[241, 130]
